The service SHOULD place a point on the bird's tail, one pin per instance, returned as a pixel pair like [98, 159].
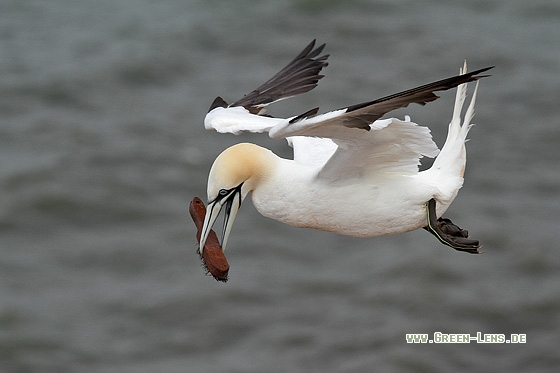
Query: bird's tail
[451, 161]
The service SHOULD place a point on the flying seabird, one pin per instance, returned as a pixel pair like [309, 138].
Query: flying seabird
[352, 172]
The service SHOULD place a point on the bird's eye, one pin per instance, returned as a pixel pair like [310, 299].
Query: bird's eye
[223, 192]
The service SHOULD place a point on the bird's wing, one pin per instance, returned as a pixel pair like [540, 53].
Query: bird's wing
[391, 145]
[247, 114]
[366, 144]
[299, 76]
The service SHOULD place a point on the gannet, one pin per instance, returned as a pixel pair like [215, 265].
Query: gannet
[352, 173]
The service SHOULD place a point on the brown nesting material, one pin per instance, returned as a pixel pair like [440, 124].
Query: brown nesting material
[212, 256]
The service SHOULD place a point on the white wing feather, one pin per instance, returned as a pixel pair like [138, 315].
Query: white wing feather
[237, 119]
[391, 145]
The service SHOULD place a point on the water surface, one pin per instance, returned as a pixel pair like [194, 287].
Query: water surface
[102, 148]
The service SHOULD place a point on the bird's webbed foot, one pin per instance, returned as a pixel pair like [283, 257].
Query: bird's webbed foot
[448, 233]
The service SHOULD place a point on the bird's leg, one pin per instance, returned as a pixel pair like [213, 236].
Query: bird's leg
[448, 233]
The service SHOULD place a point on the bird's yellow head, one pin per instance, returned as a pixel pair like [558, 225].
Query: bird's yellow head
[235, 172]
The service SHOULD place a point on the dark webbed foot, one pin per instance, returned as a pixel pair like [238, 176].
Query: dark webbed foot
[448, 233]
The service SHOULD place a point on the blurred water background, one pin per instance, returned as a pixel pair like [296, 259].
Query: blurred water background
[102, 147]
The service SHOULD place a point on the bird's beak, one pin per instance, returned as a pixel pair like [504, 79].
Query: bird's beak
[231, 202]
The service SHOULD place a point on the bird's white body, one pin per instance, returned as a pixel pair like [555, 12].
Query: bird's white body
[352, 173]
[382, 202]
[382, 205]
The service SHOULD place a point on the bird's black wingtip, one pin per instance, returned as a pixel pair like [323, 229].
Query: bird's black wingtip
[218, 102]
[479, 71]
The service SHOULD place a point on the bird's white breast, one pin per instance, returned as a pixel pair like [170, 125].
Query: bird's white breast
[370, 207]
